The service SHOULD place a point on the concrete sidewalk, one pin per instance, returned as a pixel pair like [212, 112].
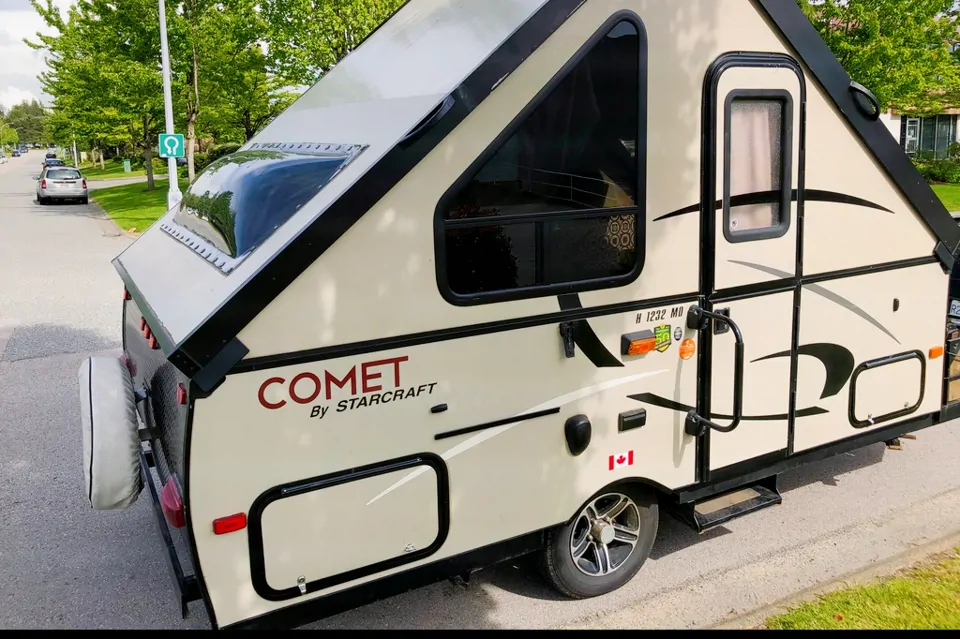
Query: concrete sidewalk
[738, 599]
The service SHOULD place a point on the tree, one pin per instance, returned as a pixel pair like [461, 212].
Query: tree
[8, 134]
[103, 71]
[308, 37]
[900, 50]
[27, 118]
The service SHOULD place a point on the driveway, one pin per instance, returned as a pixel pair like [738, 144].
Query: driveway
[63, 565]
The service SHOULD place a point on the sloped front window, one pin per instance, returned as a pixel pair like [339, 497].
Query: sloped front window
[242, 198]
[555, 203]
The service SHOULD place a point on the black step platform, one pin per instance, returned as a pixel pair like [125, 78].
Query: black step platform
[719, 509]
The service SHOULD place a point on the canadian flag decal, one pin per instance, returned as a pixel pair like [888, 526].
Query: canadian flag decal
[621, 459]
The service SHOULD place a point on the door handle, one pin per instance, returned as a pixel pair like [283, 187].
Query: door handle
[696, 425]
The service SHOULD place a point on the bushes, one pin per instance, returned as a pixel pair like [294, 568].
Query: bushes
[944, 170]
[216, 152]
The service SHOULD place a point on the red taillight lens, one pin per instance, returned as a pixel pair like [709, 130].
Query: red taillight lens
[143, 323]
[84, 183]
[126, 293]
[181, 394]
[229, 524]
[153, 343]
[172, 505]
[43, 183]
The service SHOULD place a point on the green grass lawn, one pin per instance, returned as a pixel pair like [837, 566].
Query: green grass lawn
[949, 194]
[132, 206]
[111, 170]
[926, 597]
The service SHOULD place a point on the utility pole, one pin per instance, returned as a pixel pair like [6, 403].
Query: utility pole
[76, 158]
[173, 194]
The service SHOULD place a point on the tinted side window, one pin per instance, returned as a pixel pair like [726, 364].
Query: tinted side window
[555, 202]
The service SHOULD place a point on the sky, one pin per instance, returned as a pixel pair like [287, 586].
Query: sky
[19, 64]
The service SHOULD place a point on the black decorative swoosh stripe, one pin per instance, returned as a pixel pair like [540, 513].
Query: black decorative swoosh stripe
[837, 360]
[585, 338]
[663, 402]
[772, 197]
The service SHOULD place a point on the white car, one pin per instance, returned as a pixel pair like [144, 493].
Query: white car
[61, 183]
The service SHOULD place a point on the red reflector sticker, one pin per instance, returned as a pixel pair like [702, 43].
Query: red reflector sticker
[229, 524]
[181, 394]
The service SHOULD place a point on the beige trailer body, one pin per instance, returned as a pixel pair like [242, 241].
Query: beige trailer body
[359, 408]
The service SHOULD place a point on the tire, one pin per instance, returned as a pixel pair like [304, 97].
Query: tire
[111, 441]
[582, 578]
[85, 200]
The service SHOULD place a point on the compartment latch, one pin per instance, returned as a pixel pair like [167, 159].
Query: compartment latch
[302, 584]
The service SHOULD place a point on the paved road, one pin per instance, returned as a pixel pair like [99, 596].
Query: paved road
[65, 566]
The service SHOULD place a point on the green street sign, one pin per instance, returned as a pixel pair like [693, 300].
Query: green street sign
[171, 145]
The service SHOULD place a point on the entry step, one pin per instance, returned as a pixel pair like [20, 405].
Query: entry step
[719, 509]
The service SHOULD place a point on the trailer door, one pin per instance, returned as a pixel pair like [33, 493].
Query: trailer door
[753, 123]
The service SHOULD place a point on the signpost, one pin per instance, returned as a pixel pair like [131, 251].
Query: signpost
[173, 194]
[171, 145]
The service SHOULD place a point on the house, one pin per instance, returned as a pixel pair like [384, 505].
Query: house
[932, 134]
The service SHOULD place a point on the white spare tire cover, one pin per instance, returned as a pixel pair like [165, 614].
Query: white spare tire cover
[111, 443]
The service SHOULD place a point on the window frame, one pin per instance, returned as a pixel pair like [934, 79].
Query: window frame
[786, 165]
[638, 211]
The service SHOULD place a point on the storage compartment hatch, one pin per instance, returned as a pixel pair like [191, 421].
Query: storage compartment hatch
[316, 534]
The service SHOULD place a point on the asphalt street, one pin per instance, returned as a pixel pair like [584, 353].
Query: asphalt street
[63, 565]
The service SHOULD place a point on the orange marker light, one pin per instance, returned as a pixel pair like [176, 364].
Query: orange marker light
[639, 343]
[642, 346]
[935, 352]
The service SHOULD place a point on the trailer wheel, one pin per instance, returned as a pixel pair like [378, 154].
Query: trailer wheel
[604, 546]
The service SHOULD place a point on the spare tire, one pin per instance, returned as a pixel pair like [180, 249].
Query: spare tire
[111, 442]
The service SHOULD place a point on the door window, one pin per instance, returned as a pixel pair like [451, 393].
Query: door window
[757, 184]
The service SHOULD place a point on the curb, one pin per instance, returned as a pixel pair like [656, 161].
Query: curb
[755, 619]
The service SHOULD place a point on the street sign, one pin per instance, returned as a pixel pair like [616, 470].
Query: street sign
[171, 145]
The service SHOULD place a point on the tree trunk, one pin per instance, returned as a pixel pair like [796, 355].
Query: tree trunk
[193, 110]
[148, 153]
[100, 155]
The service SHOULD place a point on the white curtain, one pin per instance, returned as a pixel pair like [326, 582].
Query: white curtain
[755, 160]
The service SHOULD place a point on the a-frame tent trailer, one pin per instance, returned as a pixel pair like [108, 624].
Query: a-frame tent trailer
[515, 276]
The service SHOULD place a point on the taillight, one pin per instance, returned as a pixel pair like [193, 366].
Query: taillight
[181, 394]
[84, 182]
[126, 293]
[43, 183]
[172, 505]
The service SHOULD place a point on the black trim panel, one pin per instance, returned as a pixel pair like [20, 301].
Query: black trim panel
[794, 26]
[836, 359]
[639, 212]
[500, 422]
[255, 531]
[445, 334]
[877, 363]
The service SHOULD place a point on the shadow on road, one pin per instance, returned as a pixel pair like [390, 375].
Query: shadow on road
[43, 340]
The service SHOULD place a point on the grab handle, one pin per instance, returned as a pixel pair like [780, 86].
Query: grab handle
[696, 425]
[431, 119]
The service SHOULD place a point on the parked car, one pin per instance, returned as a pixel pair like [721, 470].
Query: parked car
[61, 183]
[3, 159]
[15, 154]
